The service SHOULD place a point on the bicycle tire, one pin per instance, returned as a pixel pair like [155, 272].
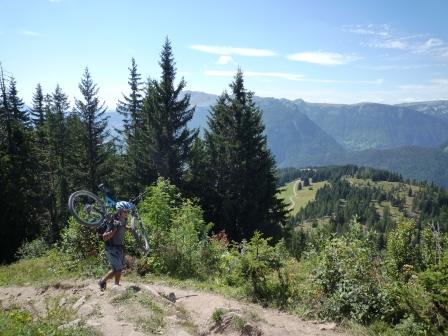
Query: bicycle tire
[76, 199]
[141, 236]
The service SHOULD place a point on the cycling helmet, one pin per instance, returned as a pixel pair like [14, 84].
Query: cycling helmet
[123, 205]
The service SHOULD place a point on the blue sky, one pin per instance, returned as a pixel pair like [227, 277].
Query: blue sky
[320, 51]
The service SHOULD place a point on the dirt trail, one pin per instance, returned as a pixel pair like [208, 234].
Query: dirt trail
[293, 203]
[148, 309]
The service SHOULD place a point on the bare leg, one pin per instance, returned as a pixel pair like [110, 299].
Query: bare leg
[117, 277]
[108, 276]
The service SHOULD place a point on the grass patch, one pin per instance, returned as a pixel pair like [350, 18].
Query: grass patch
[301, 197]
[218, 314]
[39, 270]
[17, 322]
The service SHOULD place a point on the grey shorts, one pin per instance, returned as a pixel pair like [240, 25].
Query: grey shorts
[115, 257]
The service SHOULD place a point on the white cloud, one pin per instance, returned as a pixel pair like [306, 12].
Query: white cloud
[370, 29]
[29, 33]
[225, 60]
[387, 67]
[387, 39]
[388, 44]
[323, 58]
[283, 75]
[220, 50]
[288, 76]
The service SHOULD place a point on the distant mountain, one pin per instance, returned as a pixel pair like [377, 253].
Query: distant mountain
[293, 138]
[411, 139]
[376, 126]
[437, 108]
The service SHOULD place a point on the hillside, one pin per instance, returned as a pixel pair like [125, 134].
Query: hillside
[376, 126]
[139, 309]
[396, 138]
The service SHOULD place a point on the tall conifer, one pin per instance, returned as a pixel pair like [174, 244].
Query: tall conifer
[242, 168]
[94, 135]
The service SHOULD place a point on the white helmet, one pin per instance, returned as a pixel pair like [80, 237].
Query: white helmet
[123, 205]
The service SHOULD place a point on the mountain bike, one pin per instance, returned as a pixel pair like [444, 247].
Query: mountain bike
[90, 210]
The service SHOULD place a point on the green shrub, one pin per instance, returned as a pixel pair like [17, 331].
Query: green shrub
[178, 234]
[83, 249]
[347, 274]
[402, 250]
[32, 249]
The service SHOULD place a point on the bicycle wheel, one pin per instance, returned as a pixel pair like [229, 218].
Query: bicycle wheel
[87, 208]
[140, 233]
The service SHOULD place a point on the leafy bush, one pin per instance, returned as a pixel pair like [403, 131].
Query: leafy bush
[347, 274]
[178, 234]
[32, 249]
[402, 249]
[82, 248]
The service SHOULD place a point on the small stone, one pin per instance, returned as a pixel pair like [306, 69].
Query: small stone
[85, 310]
[93, 324]
[79, 303]
[62, 302]
[71, 324]
[328, 326]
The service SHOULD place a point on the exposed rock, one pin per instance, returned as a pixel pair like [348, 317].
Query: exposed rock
[328, 326]
[62, 302]
[85, 310]
[71, 324]
[94, 324]
[79, 303]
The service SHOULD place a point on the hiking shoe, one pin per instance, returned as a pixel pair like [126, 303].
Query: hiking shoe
[102, 284]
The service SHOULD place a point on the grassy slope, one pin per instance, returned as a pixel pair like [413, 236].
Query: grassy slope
[303, 196]
[306, 195]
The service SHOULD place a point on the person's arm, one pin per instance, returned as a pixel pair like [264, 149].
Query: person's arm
[109, 233]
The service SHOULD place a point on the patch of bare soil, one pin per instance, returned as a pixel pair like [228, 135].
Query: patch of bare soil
[142, 309]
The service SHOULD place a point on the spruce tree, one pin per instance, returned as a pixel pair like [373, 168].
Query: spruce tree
[131, 105]
[57, 159]
[130, 108]
[19, 183]
[167, 113]
[242, 168]
[94, 135]
[37, 112]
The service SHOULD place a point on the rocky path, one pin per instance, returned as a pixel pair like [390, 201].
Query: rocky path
[150, 309]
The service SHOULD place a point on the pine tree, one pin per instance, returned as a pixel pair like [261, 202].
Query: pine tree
[94, 135]
[130, 107]
[37, 112]
[57, 158]
[128, 176]
[167, 115]
[19, 183]
[242, 167]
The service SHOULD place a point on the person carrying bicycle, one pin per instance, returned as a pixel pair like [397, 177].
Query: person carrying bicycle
[114, 241]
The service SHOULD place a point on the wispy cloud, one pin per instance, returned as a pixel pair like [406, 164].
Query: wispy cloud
[29, 33]
[225, 60]
[387, 67]
[370, 29]
[323, 58]
[227, 51]
[289, 76]
[386, 38]
[283, 75]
